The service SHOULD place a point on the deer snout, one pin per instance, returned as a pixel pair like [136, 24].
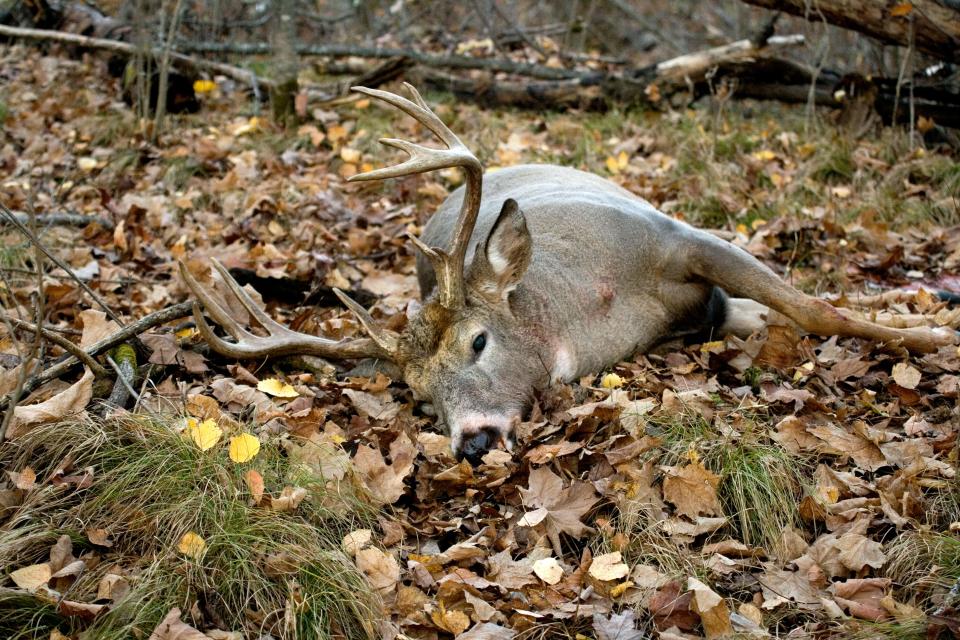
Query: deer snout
[476, 445]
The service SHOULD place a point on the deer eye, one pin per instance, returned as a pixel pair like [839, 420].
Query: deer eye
[479, 343]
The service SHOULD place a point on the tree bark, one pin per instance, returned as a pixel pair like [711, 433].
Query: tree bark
[936, 23]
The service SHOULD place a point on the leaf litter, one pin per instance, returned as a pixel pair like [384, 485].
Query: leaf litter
[733, 487]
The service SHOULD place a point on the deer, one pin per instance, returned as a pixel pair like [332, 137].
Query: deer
[539, 274]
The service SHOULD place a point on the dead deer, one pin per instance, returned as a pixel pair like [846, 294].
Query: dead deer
[552, 274]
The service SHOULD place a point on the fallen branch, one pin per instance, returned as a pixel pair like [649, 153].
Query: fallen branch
[68, 346]
[423, 59]
[129, 331]
[22, 228]
[178, 59]
[63, 219]
[936, 23]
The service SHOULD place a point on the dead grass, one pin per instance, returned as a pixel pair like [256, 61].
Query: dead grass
[278, 573]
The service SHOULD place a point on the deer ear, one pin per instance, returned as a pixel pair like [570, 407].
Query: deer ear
[503, 258]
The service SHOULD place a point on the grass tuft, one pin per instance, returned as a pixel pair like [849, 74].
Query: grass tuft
[262, 571]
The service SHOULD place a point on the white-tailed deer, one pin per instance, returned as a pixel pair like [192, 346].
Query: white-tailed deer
[552, 274]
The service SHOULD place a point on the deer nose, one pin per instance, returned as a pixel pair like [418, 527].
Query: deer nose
[478, 444]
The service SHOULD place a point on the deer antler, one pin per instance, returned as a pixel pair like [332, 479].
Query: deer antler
[448, 265]
[281, 340]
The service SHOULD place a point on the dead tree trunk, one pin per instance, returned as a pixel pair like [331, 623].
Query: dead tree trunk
[932, 25]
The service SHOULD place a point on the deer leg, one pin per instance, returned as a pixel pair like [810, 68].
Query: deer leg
[744, 317]
[742, 275]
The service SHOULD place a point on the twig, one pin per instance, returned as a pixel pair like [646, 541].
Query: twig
[65, 219]
[125, 375]
[241, 75]
[57, 261]
[63, 343]
[134, 328]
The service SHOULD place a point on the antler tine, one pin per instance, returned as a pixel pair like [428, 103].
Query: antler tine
[280, 340]
[447, 265]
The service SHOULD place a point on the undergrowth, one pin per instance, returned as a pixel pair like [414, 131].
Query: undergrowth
[262, 571]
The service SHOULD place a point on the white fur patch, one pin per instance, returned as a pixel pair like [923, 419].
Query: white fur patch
[497, 260]
[564, 367]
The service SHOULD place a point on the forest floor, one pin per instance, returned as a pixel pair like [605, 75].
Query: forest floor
[780, 485]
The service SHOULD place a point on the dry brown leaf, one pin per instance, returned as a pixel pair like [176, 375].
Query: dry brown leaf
[381, 569]
[488, 631]
[173, 628]
[564, 507]
[863, 598]
[839, 441]
[379, 406]
[692, 489]
[25, 479]
[254, 482]
[96, 327]
[617, 626]
[858, 551]
[32, 577]
[608, 566]
[713, 611]
[385, 481]
[906, 375]
[112, 587]
[354, 541]
[71, 401]
[548, 570]
[456, 622]
[510, 573]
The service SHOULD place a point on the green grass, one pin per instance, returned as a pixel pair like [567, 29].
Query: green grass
[760, 482]
[924, 565]
[151, 486]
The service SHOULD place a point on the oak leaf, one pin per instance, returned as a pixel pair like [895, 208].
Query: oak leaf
[563, 506]
[692, 489]
[381, 569]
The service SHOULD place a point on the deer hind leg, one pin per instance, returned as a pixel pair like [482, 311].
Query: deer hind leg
[742, 275]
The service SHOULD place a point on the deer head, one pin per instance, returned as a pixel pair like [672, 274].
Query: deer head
[463, 351]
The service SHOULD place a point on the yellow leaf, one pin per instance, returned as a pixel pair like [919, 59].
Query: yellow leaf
[712, 347]
[759, 222]
[187, 334]
[619, 590]
[244, 447]
[192, 545]
[611, 381]
[742, 228]
[764, 155]
[362, 104]
[204, 86]
[456, 622]
[205, 434]
[612, 165]
[87, 164]
[902, 9]
[623, 160]
[336, 133]
[349, 154]
[32, 577]
[276, 388]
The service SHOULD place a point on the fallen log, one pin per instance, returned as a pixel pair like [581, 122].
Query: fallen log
[931, 26]
[115, 46]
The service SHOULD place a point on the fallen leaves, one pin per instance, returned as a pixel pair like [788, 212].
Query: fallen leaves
[558, 509]
[69, 402]
[386, 481]
[32, 577]
[609, 566]
[244, 447]
[192, 545]
[692, 489]
[205, 434]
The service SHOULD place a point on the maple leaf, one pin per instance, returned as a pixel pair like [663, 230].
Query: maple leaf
[692, 489]
[385, 481]
[618, 626]
[510, 573]
[561, 508]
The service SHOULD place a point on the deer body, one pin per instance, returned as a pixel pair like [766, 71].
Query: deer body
[607, 276]
[535, 274]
